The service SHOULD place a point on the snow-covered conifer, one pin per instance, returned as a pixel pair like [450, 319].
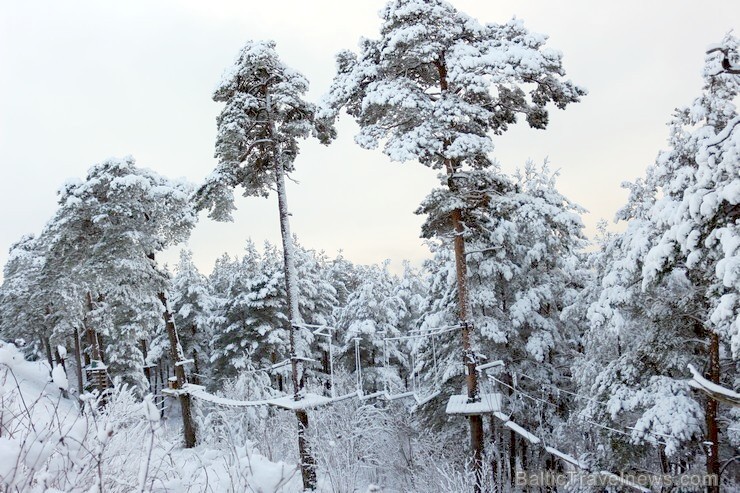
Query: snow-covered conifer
[263, 119]
[670, 292]
[375, 311]
[191, 302]
[104, 236]
[433, 88]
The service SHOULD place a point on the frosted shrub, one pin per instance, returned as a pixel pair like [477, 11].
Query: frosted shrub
[49, 443]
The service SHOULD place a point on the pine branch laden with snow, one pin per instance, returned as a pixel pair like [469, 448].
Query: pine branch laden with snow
[247, 148]
[717, 392]
[492, 74]
[667, 292]
[700, 206]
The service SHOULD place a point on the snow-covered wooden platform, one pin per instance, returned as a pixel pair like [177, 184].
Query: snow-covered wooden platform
[189, 388]
[488, 403]
[308, 401]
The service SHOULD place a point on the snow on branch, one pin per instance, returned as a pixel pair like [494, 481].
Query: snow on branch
[716, 392]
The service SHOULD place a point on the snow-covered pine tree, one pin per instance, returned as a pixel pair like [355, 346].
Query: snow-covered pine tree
[102, 237]
[375, 311]
[434, 87]
[23, 298]
[412, 289]
[191, 301]
[670, 295]
[258, 131]
[523, 239]
[40, 310]
[317, 302]
[249, 332]
[344, 277]
[635, 354]
[249, 322]
[699, 214]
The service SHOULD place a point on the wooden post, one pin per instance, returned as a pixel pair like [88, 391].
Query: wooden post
[178, 359]
[712, 437]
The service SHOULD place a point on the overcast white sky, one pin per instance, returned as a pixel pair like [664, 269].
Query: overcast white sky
[81, 81]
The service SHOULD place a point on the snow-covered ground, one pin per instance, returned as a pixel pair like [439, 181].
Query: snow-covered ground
[48, 444]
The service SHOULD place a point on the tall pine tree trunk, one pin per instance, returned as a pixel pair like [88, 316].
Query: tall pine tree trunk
[176, 353]
[147, 368]
[308, 463]
[46, 343]
[712, 437]
[78, 361]
[512, 458]
[461, 271]
[97, 374]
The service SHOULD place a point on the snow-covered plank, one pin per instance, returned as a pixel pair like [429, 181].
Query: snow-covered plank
[304, 358]
[403, 395]
[374, 395]
[718, 392]
[492, 364]
[280, 365]
[191, 387]
[420, 401]
[188, 388]
[306, 402]
[222, 401]
[174, 392]
[488, 403]
[521, 431]
[344, 397]
[566, 457]
[626, 482]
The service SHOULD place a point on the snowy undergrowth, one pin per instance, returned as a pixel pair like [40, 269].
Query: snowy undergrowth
[51, 443]
[359, 446]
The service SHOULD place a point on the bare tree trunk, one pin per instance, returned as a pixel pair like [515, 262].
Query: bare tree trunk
[494, 456]
[196, 368]
[178, 358]
[512, 458]
[78, 360]
[147, 369]
[461, 271]
[308, 462]
[92, 336]
[712, 438]
[99, 377]
[523, 454]
[47, 349]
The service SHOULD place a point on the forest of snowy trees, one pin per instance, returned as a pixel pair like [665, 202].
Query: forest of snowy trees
[522, 355]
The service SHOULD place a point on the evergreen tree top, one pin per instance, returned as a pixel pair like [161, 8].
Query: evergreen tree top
[263, 118]
[437, 82]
